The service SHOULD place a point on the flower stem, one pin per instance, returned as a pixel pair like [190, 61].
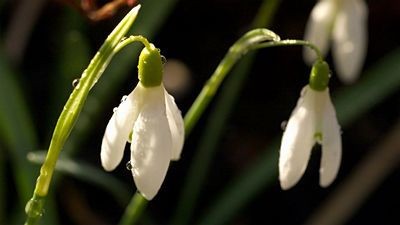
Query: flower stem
[291, 42]
[134, 210]
[130, 40]
[239, 48]
[70, 113]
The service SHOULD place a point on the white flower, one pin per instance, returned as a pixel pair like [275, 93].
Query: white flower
[345, 22]
[151, 117]
[313, 120]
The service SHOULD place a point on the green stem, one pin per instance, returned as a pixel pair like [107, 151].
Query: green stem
[130, 40]
[216, 122]
[252, 40]
[134, 210]
[70, 114]
[291, 42]
[241, 47]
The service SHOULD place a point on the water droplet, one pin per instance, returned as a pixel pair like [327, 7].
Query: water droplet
[124, 98]
[75, 82]
[284, 124]
[129, 165]
[34, 208]
[163, 60]
[115, 109]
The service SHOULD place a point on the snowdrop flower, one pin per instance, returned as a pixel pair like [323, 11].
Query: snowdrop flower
[150, 118]
[345, 22]
[313, 120]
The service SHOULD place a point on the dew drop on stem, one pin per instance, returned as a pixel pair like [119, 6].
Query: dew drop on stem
[75, 82]
[163, 60]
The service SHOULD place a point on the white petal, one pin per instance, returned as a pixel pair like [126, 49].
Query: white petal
[176, 126]
[350, 39]
[318, 29]
[331, 146]
[151, 144]
[117, 131]
[297, 141]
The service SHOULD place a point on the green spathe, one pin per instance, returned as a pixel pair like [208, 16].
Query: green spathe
[319, 77]
[150, 67]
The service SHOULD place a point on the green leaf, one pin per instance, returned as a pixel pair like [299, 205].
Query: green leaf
[87, 173]
[17, 132]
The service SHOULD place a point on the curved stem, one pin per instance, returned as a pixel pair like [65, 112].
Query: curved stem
[70, 113]
[246, 43]
[290, 42]
[130, 40]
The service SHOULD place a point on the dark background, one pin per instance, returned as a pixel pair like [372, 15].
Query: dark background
[198, 33]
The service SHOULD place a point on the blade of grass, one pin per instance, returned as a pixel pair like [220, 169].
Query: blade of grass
[17, 132]
[382, 79]
[87, 173]
[18, 136]
[70, 113]
[216, 123]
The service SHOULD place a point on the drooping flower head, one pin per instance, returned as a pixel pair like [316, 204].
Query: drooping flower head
[149, 118]
[345, 23]
[312, 121]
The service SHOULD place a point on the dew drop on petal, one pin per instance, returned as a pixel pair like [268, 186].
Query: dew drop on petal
[124, 98]
[75, 82]
[115, 109]
[129, 165]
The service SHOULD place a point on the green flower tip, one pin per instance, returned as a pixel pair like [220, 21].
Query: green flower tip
[319, 77]
[150, 67]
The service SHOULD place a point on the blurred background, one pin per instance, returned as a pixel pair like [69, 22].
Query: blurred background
[228, 170]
